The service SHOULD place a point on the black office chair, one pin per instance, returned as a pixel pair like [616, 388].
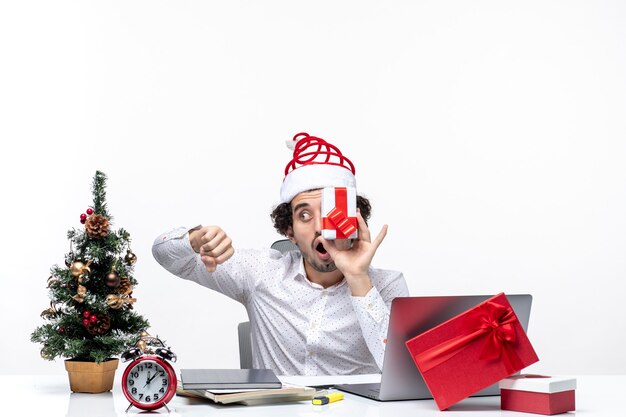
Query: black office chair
[243, 329]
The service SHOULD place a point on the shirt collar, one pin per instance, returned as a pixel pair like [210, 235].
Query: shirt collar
[299, 274]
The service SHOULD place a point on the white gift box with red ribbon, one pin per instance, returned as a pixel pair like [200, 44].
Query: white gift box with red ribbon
[538, 394]
[339, 213]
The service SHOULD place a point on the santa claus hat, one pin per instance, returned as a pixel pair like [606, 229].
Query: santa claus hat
[315, 164]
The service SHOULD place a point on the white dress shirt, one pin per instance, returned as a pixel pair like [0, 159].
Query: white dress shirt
[297, 327]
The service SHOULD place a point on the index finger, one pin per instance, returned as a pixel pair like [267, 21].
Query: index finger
[380, 237]
[364, 231]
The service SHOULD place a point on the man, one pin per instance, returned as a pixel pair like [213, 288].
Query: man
[322, 310]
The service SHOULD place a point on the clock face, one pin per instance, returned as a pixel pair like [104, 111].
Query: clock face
[149, 382]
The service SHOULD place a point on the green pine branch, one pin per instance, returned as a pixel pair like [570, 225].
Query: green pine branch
[98, 187]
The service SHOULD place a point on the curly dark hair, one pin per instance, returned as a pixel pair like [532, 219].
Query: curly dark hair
[282, 216]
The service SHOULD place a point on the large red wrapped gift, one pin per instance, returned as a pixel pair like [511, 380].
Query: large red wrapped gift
[471, 351]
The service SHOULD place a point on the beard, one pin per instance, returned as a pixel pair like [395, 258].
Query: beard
[311, 258]
[322, 266]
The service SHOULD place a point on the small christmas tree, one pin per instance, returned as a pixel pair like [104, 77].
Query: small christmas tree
[91, 315]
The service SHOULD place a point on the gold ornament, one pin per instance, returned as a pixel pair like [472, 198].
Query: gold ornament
[45, 354]
[142, 345]
[97, 226]
[80, 293]
[130, 258]
[146, 342]
[78, 269]
[116, 301]
[50, 312]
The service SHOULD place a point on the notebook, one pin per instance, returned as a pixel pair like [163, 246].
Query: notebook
[287, 393]
[208, 379]
[410, 316]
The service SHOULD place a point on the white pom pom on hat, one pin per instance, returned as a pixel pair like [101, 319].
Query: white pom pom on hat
[315, 164]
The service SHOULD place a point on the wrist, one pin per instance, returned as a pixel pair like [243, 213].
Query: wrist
[194, 239]
[359, 285]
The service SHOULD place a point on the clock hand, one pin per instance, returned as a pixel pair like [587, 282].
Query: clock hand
[149, 379]
[153, 376]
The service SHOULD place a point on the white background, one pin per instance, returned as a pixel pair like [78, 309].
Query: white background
[489, 135]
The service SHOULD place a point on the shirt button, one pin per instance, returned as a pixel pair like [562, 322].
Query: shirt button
[324, 292]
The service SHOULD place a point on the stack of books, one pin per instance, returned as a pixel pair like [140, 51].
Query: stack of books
[241, 386]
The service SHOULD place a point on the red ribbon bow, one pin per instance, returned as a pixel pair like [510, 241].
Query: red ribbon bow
[495, 323]
[337, 218]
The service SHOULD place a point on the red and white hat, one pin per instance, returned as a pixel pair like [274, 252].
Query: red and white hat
[315, 164]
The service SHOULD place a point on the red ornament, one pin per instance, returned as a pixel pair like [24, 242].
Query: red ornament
[83, 216]
[83, 221]
[61, 330]
[90, 211]
[93, 318]
[86, 314]
[85, 322]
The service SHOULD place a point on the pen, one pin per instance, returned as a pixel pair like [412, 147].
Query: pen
[328, 398]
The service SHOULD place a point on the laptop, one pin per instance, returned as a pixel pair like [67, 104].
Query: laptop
[410, 316]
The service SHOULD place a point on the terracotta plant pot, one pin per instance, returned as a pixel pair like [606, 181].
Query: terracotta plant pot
[91, 377]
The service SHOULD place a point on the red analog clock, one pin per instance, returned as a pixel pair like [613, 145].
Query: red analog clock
[149, 381]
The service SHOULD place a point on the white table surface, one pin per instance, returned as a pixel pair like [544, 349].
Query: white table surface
[50, 396]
